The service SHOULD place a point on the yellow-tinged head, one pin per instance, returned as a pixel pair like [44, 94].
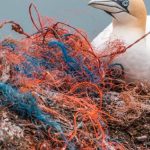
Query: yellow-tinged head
[124, 12]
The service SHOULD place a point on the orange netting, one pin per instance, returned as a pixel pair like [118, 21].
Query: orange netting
[58, 67]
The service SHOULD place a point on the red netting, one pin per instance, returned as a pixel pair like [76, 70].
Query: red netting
[58, 67]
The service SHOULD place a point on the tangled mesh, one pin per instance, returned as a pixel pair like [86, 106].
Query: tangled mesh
[53, 77]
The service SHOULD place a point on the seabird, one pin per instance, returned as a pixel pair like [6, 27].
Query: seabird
[129, 23]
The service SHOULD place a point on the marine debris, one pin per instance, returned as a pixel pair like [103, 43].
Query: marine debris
[63, 95]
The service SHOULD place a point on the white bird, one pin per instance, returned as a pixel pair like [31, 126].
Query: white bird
[129, 23]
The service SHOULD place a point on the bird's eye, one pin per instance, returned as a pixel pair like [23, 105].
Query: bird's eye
[125, 3]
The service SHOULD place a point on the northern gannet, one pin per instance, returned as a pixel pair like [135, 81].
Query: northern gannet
[129, 23]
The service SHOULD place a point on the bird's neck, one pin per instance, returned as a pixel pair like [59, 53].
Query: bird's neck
[128, 32]
[128, 35]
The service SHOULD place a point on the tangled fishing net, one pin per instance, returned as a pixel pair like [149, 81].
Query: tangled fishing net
[54, 79]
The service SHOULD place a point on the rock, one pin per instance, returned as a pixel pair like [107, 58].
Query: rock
[142, 138]
[9, 130]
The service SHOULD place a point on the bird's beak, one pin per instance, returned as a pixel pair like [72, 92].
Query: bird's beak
[109, 6]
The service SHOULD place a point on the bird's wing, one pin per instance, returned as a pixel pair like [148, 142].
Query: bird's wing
[148, 24]
[99, 41]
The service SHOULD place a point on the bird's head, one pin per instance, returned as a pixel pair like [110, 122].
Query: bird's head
[123, 11]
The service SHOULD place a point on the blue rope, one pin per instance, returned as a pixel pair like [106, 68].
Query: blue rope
[72, 63]
[32, 65]
[9, 45]
[25, 105]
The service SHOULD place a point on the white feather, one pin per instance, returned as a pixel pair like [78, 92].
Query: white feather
[136, 60]
[148, 24]
[101, 38]
[99, 41]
